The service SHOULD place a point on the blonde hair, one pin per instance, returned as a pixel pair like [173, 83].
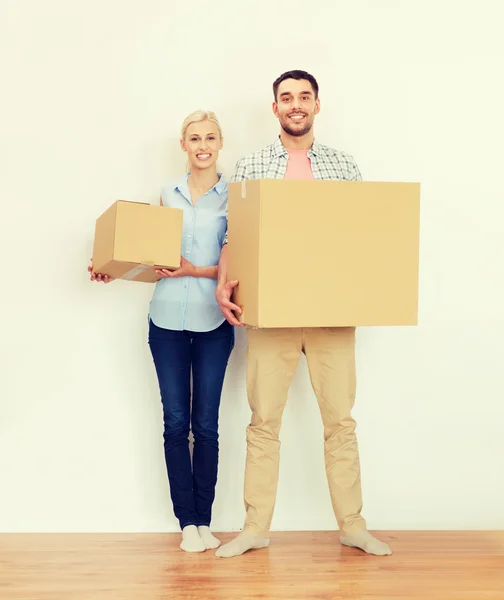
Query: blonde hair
[200, 115]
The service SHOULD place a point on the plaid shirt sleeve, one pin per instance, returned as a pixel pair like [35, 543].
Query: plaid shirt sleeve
[240, 172]
[354, 169]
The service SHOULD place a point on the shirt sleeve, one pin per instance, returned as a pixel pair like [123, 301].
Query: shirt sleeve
[240, 172]
[356, 174]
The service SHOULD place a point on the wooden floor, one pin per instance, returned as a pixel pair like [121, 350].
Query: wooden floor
[306, 565]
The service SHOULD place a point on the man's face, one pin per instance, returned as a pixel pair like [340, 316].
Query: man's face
[296, 106]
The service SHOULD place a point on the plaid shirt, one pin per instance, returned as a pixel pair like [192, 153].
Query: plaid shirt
[271, 163]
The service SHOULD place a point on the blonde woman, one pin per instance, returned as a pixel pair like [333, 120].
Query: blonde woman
[189, 335]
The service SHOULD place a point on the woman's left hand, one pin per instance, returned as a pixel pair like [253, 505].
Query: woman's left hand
[186, 269]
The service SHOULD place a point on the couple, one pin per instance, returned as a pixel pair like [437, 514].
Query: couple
[191, 329]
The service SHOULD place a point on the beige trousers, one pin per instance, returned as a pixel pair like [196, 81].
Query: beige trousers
[272, 357]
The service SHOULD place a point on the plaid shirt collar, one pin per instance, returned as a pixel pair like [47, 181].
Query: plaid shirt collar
[278, 149]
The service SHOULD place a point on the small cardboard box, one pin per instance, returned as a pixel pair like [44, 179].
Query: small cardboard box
[132, 239]
[324, 253]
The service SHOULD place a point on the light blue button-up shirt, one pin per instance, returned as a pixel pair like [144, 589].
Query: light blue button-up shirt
[188, 303]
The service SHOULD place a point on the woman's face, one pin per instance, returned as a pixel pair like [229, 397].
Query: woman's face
[202, 143]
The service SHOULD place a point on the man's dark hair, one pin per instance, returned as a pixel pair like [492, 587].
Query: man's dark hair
[297, 74]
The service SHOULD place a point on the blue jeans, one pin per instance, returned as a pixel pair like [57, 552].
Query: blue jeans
[175, 354]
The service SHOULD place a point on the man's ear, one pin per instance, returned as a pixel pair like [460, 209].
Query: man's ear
[275, 109]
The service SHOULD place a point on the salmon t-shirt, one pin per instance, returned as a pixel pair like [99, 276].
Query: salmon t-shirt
[298, 165]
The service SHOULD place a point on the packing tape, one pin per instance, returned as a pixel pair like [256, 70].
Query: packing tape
[244, 188]
[132, 273]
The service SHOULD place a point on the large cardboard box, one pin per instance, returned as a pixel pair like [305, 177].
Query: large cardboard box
[132, 239]
[324, 253]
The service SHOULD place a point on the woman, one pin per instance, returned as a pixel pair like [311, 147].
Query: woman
[187, 333]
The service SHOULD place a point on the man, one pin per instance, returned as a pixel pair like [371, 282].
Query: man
[273, 354]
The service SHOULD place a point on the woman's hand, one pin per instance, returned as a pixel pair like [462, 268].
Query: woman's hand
[186, 269]
[98, 276]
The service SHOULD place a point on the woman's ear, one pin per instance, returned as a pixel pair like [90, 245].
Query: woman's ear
[183, 145]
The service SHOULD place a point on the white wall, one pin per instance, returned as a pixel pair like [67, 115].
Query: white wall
[93, 97]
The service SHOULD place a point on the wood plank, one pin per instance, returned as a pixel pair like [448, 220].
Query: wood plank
[439, 565]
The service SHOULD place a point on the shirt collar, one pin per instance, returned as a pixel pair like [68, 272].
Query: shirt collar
[183, 186]
[221, 185]
[279, 149]
[315, 150]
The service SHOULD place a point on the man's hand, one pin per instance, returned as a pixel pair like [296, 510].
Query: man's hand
[223, 295]
[98, 276]
[186, 269]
